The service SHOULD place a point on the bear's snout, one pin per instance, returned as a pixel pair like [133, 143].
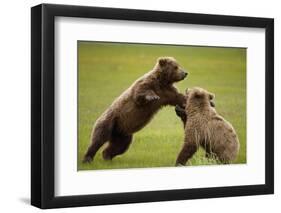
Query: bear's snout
[184, 74]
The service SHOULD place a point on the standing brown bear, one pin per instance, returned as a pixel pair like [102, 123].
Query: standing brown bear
[205, 128]
[135, 107]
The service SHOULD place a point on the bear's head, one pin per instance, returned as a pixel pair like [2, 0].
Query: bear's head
[169, 71]
[198, 98]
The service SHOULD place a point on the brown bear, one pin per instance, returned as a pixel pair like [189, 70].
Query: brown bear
[135, 107]
[205, 128]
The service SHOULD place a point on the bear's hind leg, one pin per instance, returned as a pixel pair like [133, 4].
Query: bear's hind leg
[208, 152]
[117, 146]
[100, 135]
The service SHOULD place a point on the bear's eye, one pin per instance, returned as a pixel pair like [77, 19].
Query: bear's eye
[176, 67]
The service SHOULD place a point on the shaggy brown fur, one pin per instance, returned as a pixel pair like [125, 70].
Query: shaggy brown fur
[205, 128]
[135, 107]
[182, 114]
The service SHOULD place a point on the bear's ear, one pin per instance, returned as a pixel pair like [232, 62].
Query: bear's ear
[187, 90]
[198, 94]
[211, 96]
[162, 61]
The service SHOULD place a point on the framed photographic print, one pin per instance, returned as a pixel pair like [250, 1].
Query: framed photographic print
[140, 106]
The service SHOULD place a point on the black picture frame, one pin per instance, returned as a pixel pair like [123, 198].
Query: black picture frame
[43, 102]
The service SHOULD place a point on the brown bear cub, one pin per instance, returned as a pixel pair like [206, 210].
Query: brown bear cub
[135, 107]
[205, 128]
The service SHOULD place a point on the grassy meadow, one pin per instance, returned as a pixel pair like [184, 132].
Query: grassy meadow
[105, 70]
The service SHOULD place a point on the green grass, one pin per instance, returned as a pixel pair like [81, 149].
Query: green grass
[107, 69]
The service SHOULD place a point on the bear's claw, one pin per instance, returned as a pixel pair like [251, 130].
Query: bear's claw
[152, 97]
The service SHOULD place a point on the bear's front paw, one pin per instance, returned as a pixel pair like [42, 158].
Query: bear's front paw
[179, 110]
[152, 97]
